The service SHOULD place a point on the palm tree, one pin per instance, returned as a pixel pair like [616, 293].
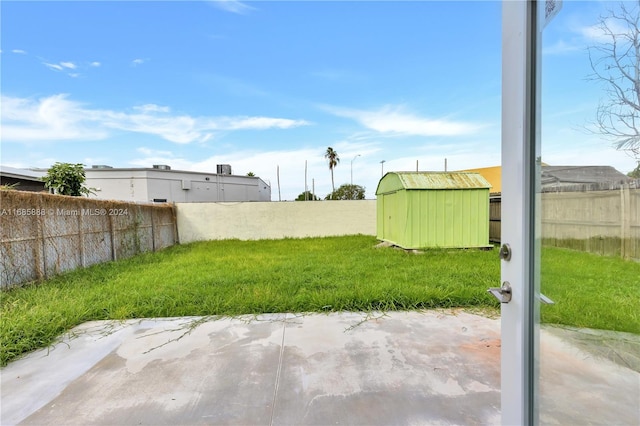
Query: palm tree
[333, 158]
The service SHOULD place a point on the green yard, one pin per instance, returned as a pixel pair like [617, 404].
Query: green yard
[308, 275]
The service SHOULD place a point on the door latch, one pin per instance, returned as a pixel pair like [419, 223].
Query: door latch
[505, 252]
[503, 293]
[544, 299]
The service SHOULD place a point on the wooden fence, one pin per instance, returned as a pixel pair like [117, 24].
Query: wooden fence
[495, 206]
[603, 219]
[43, 234]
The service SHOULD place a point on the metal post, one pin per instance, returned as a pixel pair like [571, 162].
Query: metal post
[278, 173]
[306, 190]
[382, 164]
[352, 168]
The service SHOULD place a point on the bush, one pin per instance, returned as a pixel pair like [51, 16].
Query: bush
[66, 179]
[347, 192]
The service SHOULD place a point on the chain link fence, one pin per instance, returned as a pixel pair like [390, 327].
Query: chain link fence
[42, 235]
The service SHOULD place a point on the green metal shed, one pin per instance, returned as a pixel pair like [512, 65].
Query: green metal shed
[433, 209]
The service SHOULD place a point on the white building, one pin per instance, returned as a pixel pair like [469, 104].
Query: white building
[161, 184]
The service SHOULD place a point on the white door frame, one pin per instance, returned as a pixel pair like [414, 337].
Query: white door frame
[520, 179]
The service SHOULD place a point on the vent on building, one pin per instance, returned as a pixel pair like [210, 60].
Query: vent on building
[101, 166]
[224, 169]
[161, 167]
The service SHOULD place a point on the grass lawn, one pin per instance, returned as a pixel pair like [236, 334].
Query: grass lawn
[307, 275]
[590, 291]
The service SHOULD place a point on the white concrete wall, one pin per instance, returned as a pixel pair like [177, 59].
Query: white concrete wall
[254, 221]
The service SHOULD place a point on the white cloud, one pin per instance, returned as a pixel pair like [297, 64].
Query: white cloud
[562, 47]
[153, 156]
[260, 123]
[179, 129]
[394, 120]
[63, 66]
[579, 36]
[185, 129]
[39, 162]
[67, 66]
[233, 6]
[19, 51]
[149, 152]
[597, 33]
[54, 67]
[58, 118]
[589, 155]
[138, 61]
[47, 119]
[94, 160]
[151, 108]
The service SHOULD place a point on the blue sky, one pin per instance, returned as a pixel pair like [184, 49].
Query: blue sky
[265, 84]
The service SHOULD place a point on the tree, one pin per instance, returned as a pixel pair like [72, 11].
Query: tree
[635, 173]
[66, 179]
[307, 196]
[616, 63]
[251, 174]
[347, 192]
[10, 186]
[332, 156]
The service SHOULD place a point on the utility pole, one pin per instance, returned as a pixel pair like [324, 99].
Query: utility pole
[382, 164]
[278, 173]
[352, 168]
[306, 189]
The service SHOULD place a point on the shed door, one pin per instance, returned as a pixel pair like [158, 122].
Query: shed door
[390, 226]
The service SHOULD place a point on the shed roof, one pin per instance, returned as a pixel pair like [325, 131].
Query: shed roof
[394, 181]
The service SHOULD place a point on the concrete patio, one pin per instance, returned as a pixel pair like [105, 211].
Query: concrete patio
[410, 368]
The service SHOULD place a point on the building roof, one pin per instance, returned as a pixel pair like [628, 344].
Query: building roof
[569, 175]
[23, 174]
[102, 172]
[554, 176]
[394, 181]
[492, 174]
